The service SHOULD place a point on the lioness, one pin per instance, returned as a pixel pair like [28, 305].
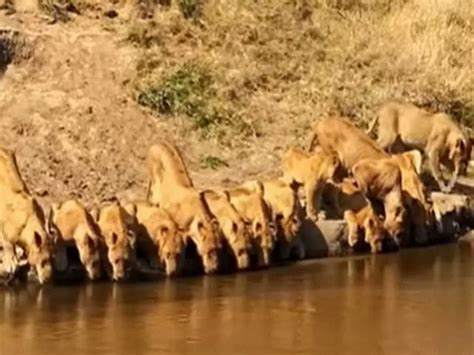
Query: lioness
[159, 227]
[310, 170]
[351, 204]
[22, 221]
[376, 174]
[286, 210]
[442, 139]
[233, 227]
[115, 228]
[414, 192]
[252, 207]
[170, 187]
[72, 225]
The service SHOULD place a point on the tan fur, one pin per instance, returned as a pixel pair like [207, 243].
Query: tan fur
[351, 204]
[287, 214]
[381, 180]
[162, 230]
[441, 139]
[9, 172]
[115, 226]
[232, 224]
[311, 170]
[73, 225]
[171, 187]
[376, 174]
[22, 221]
[249, 202]
[339, 136]
[415, 199]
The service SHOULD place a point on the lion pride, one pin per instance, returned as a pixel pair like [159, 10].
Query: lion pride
[377, 175]
[22, 221]
[72, 225]
[170, 187]
[436, 134]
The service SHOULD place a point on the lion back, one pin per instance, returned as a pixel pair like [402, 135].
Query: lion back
[10, 176]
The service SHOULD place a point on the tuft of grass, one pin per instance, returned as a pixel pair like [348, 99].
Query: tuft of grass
[212, 162]
[145, 35]
[58, 10]
[191, 9]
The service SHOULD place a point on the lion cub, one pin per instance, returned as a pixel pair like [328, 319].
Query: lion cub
[351, 204]
[252, 207]
[73, 225]
[115, 228]
[22, 222]
[170, 187]
[437, 134]
[156, 225]
[310, 170]
[286, 210]
[233, 227]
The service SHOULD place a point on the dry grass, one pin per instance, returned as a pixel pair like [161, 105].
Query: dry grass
[280, 64]
[274, 66]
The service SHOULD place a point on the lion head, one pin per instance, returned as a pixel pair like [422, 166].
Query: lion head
[119, 239]
[205, 232]
[460, 154]
[38, 248]
[169, 240]
[374, 232]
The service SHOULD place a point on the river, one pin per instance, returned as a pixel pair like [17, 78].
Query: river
[418, 301]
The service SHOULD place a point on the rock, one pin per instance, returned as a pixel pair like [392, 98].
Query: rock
[453, 213]
[323, 238]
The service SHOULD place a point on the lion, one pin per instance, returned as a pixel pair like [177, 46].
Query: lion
[436, 134]
[167, 240]
[355, 208]
[415, 195]
[115, 225]
[310, 170]
[377, 175]
[381, 181]
[22, 222]
[170, 187]
[233, 226]
[72, 225]
[250, 204]
[282, 200]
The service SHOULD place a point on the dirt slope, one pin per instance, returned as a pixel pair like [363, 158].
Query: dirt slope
[70, 114]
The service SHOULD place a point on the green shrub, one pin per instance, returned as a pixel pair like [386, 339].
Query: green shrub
[212, 162]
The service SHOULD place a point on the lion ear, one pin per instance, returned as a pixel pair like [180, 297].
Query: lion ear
[259, 188]
[460, 144]
[416, 159]
[94, 212]
[131, 209]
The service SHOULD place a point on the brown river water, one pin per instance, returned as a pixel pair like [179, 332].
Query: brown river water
[418, 301]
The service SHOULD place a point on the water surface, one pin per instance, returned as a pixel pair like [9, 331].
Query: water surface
[418, 301]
